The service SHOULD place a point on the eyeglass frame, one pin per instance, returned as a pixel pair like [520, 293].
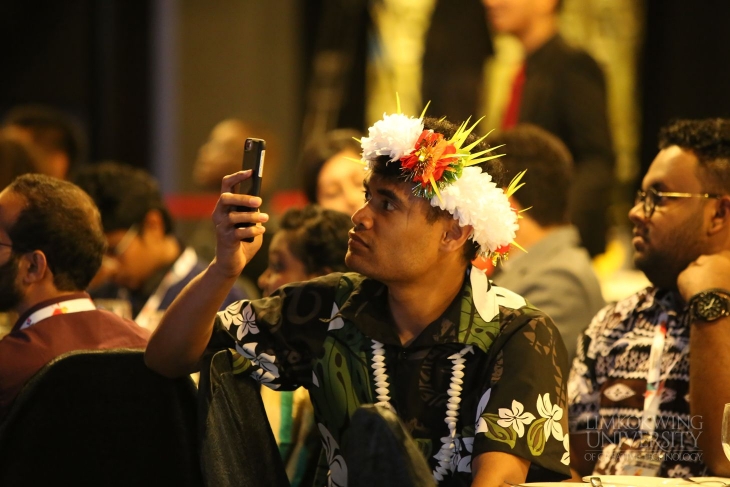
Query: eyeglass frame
[124, 243]
[649, 199]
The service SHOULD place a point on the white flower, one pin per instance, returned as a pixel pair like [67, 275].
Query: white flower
[481, 423]
[517, 418]
[247, 322]
[461, 461]
[565, 460]
[553, 413]
[475, 200]
[266, 371]
[394, 136]
[231, 315]
[338, 468]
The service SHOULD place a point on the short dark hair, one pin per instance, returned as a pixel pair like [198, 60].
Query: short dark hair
[124, 194]
[549, 172]
[709, 141]
[61, 221]
[319, 151]
[317, 237]
[51, 129]
[15, 160]
[383, 167]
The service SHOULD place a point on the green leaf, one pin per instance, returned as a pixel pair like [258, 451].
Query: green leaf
[499, 433]
[536, 437]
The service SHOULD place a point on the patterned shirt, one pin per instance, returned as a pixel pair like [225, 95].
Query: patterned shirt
[319, 335]
[609, 379]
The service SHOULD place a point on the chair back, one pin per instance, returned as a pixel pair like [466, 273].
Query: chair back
[238, 448]
[101, 418]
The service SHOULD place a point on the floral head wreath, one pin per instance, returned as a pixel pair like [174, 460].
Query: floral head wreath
[445, 173]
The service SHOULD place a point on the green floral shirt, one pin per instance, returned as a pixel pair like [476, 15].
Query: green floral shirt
[319, 335]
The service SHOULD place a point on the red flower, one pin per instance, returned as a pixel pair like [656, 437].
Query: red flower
[427, 159]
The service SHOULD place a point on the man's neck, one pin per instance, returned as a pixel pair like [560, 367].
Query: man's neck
[415, 305]
[541, 31]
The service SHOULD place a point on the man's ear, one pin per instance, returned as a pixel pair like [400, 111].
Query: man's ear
[34, 267]
[721, 216]
[455, 236]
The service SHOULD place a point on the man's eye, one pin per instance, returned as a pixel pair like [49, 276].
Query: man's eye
[387, 205]
[366, 193]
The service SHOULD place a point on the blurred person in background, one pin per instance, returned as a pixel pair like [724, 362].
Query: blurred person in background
[652, 371]
[331, 177]
[146, 265]
[51, 245]
[310, 242]
[56, 138]
[555, 273]
[562, 89]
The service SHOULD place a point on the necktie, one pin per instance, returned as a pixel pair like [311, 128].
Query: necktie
[512, 114]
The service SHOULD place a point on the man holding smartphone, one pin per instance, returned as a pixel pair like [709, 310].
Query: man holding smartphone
[475, 373]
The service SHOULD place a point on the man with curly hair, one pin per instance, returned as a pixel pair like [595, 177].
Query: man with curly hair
[51, 245]
[475, 373]
[639, 400]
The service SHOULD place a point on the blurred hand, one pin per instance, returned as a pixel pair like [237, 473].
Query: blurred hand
[707, 272]
[232, 254]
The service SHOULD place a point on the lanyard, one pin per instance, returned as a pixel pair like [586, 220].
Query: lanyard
[181, 268]
[655, 380]
[64, 307]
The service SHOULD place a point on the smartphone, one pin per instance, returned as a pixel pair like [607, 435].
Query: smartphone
[254, 152]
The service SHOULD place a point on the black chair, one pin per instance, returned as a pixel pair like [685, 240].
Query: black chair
[238, 448]
[101, 418]
[380, 452]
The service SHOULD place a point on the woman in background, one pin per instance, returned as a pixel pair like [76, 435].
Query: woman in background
[310, 242]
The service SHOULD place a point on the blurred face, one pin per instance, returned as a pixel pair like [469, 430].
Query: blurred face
[11, 293]
[283, 266]
[221, 154]
[129, 261]
[511, 16]
[339, 185]
[673, 236]
[392, 240]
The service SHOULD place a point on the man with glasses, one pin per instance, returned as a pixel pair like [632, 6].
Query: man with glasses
[51, 245]
[146, 265]
[632, 410]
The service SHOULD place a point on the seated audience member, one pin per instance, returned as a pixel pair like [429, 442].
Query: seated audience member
[310, 242]
[16, 159]
[475, 373]
[51, 245]
[655, 366]
[555, 274]
[146, 264]
[331, 179]
[56, 138]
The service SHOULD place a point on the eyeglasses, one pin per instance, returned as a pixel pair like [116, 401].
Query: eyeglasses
[124, 243]
[650, 199]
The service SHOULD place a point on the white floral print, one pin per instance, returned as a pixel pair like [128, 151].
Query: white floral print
[553, 413]
[338, 468]
[248, 322]
[481, 424]
[516, 419]
[461, 461]
[565, 460]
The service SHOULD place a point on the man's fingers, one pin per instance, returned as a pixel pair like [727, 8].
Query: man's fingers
[229, 182]
[232, 199]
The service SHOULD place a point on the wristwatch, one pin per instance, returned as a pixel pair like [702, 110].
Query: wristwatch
[709, 305]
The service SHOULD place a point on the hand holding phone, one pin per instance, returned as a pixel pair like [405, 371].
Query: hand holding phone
[253, 158]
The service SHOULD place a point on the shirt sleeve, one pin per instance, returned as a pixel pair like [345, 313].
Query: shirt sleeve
[583, 388]
[279, 336]
[523, 409]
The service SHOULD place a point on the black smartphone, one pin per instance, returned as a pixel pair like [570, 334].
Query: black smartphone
[254, 152]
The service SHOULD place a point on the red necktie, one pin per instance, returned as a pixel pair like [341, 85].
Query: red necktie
[512, 114]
